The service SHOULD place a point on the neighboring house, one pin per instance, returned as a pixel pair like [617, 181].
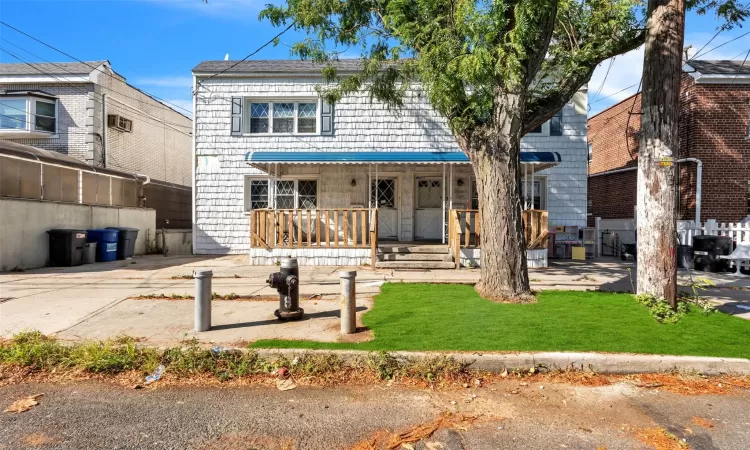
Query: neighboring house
[277, 166]
[88, 111]
[714, 127]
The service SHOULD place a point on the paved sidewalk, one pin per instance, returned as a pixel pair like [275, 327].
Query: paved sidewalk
[93, 301]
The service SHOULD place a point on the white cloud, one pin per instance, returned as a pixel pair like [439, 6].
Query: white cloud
[166, 81]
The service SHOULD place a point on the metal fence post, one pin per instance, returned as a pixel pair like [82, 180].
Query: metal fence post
[202, 299]
[348, 302]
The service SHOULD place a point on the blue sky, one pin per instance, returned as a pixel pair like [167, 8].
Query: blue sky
[155, 43]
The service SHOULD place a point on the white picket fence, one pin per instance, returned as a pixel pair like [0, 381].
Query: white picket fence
[739, 232]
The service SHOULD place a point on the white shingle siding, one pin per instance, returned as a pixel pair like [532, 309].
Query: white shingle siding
[359, 125]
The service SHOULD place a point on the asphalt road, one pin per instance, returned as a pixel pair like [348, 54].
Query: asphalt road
[509, 415]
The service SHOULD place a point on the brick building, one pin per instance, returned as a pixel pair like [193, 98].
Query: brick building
[88, 111]
[714, 128]
[61, 107]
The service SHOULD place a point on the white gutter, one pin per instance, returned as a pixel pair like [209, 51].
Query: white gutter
[698, 182]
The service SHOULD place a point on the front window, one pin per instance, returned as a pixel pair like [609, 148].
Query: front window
[536, 194]
[289, 194]
[283, 117]
[30, 114]
[44, 119]
[13, 114]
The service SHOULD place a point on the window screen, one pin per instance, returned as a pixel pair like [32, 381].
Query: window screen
[283, 117]
[258, 194]
[308, 194]
[307, 115]
[285, 194]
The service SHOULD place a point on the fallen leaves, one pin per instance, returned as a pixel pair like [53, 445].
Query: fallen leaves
[24, 404]
[405, 439]
[703, 422]
[660, 439]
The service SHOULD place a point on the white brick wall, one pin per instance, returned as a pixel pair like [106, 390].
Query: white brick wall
[223, 227]
[71, 111]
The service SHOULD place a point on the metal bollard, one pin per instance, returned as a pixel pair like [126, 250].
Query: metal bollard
[348, 302]
[203, 299]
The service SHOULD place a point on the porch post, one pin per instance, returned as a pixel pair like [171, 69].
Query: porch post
[369, 186]
[442, 234]
[377, 187]
[525, 186]
[532, 188]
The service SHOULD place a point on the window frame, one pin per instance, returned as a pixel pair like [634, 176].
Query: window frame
[271, 101]
[31, 113]
[247, 201]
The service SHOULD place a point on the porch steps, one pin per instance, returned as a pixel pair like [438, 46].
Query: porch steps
[413, 257]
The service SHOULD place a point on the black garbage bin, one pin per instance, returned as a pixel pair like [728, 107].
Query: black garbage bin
[66, 247]
[685, 257]
[125, 241]
[706, 252]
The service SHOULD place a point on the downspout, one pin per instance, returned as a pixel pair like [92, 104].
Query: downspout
[698, 182]
[104, 130]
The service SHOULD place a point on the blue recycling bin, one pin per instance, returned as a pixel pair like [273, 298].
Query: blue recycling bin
[106, 243]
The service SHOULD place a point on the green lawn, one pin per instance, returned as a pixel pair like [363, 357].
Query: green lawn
[454, 317]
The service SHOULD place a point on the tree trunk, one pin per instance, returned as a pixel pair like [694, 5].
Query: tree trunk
[658, 148]
[494, 151]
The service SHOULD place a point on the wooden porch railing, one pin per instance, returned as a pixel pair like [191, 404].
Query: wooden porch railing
[464, 230]
[298, 228]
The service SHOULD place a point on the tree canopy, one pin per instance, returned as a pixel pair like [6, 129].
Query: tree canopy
[464, 52]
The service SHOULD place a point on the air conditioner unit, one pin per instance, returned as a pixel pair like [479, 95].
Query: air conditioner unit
[119, 122]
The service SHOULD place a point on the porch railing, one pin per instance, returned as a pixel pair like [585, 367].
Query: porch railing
[311, 228]
[464, 230]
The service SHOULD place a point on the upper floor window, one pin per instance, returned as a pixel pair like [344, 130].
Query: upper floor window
[552, 127]
[28, 113]
[282, 117]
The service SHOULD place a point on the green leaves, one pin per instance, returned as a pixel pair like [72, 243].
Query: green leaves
[463, 53]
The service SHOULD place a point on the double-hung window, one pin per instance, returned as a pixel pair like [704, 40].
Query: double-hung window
[28, 113]
[287, 194]
[282, 117]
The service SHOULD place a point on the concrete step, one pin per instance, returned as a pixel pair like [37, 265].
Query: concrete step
[441, 249]
[415, 257]
[414, 265]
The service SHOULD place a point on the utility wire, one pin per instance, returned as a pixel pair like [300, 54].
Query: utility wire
[706, 44]
[601, 86]
[739, 69]
[87, 64]
[200, 84]
[719, 46]
[64, 70]
[149, 119]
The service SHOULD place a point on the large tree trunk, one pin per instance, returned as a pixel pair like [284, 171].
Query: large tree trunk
[659, 145]
[494, 152]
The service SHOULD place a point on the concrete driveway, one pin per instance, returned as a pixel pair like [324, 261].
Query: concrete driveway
[95, 301]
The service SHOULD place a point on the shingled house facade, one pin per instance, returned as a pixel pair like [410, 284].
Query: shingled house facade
[714, 129]
[279, 172]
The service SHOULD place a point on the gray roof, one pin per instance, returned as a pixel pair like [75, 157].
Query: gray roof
[274, 66]
[60, 68]
[721, 67]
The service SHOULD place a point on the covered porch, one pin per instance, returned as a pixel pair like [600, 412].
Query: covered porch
[336, 208]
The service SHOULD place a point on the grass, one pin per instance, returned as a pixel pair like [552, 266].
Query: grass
[455, 318]
[38, 353]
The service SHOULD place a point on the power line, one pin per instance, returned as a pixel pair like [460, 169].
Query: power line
[612, 95]
[243, 59]
[152, 120]
[87, 64]
[601, 86]
[706, 44]
[719, 46]
[739, 69]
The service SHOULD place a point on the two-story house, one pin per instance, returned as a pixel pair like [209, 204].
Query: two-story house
[279, 172]
[713, 157]
[88, 111]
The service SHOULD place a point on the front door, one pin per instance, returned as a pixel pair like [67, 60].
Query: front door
[383, 195]
[428, 215]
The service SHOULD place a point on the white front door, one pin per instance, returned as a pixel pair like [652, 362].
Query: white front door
[383, 195]
[428, 214]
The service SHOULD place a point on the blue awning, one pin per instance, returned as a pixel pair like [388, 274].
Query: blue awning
[414, 157]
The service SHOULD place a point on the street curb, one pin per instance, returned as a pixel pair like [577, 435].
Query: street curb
[597, 362]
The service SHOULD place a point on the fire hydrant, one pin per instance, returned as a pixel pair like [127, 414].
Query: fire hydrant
[286, 282]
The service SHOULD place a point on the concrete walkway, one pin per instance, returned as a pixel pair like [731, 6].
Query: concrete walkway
[94, 301]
